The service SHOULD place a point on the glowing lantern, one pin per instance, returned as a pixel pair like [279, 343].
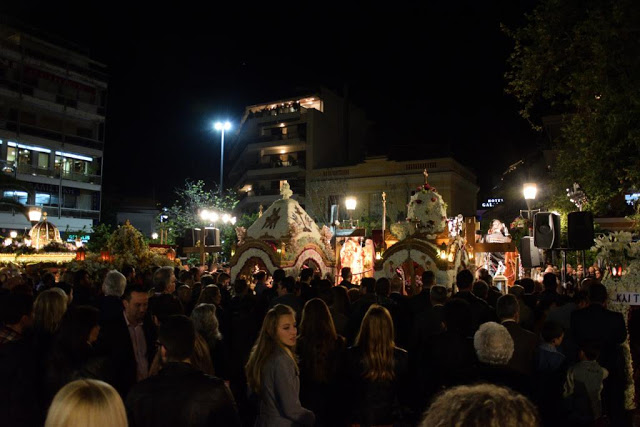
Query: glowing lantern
[81, 254]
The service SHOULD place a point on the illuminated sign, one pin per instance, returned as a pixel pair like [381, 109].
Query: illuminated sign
[492, 202]
[72, 238]
[631, 199]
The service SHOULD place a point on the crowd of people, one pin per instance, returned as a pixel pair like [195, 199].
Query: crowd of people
[172, 346]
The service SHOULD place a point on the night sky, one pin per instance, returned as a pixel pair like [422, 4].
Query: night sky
[426, 74]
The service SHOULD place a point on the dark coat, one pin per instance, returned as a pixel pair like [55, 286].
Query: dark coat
[181, 395]
[110, 308]
[402, 320]
[524, 348]
[114, 342]
[426, 325]
[374, 402]
[481, 312]
[19, 395]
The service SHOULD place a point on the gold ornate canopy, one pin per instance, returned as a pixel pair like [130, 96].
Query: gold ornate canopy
[44, 233]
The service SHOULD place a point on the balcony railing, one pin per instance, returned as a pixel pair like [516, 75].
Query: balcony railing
[279, 164]
[7, 167]
[261, 191]
[53, 135]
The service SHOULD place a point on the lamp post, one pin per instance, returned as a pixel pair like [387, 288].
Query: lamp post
[222, 127]
[350, 202]
[530, 190]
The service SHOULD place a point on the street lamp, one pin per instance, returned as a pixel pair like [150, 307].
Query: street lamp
[35, 214]
[350, 202]
[530, 190]
[222, 127]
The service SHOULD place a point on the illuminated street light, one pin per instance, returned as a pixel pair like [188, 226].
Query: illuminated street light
[222, 127]
[154, 236]
[530, 190]
[350, 202]
[35, 214]
[13, 234]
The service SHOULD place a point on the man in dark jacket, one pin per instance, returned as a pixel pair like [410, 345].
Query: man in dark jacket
[110, 304]
[180, 395]
[524, 342]
[605, 328]
[128, 340]
[481, 312]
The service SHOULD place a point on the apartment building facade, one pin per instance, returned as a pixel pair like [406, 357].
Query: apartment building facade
[52, 127]
[286, 139]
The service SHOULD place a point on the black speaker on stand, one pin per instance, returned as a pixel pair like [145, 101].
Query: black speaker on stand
[546, 230]
[580, 231]
[530, 256]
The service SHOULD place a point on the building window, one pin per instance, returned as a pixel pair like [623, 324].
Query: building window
[46, 199]
[11, 154]
[43, 160]
[18, 196]
[24, 157]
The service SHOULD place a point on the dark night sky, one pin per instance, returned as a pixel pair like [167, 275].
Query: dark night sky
[425, 73]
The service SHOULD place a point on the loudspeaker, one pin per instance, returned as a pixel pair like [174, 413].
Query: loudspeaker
[530, 256]
[581, 230]
[212, 238]
[546, 230]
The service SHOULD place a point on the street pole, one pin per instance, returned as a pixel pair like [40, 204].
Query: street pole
[221, 160]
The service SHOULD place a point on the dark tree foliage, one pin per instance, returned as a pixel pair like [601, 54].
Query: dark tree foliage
[580, 60]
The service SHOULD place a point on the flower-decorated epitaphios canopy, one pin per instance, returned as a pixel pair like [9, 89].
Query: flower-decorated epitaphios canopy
[284, 236]
[44, 233]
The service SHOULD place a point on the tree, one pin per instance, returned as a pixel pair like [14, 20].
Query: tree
[191, 199]
[580, 60]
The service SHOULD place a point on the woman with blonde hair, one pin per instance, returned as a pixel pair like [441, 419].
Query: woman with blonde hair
[90, 403]
[272, 371]
[48, 309]
[375, 371]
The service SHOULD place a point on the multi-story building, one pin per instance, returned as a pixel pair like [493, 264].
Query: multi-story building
[286, 139]
[366, 181]
[52, 126]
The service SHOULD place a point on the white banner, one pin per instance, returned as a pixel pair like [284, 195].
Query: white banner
[625, 298]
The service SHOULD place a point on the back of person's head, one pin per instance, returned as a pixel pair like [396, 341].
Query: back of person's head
[480, 289]
[319, 339]
[483, 274]
[79, 277]
[209, 295]
[396, 284]
[354, 295]
[14, 306]
[114, 284]
[205, 321]
[279, 275]
[550, 331]
[289, 284]
[127, 269]
[457, 316]
[266, 344]
[464, 279]
[550, 282]
[185, 276]
[340, 299]
[207, 279]
[75, 329]
[164, 305]
[87, 403]
[493, 344]
[481, 405]
[306, 274]
[528, 284]
[317, 322]
[177, 335]
[428, 278]
[383, 287]
[597, 293]
[507, 307]
[222, 277]
[438, 294]
[517, 291]
[260, 276]
[48, 310]
[48, 279]
[376, 342]
[590, 349]
[369, 283]
[240, 286]
[345, 273]
[162, 278]
[581, 297]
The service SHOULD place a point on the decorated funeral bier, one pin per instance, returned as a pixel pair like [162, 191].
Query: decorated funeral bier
[425, 241]
[622, 280]
[284, 236]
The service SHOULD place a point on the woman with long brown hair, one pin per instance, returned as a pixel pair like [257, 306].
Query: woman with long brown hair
[376, 371]
[272, 371]
[320, 350]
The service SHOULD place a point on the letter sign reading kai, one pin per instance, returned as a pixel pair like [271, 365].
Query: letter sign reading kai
[626, 298]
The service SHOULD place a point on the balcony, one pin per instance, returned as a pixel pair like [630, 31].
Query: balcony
[11, 167]
[50, 134]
